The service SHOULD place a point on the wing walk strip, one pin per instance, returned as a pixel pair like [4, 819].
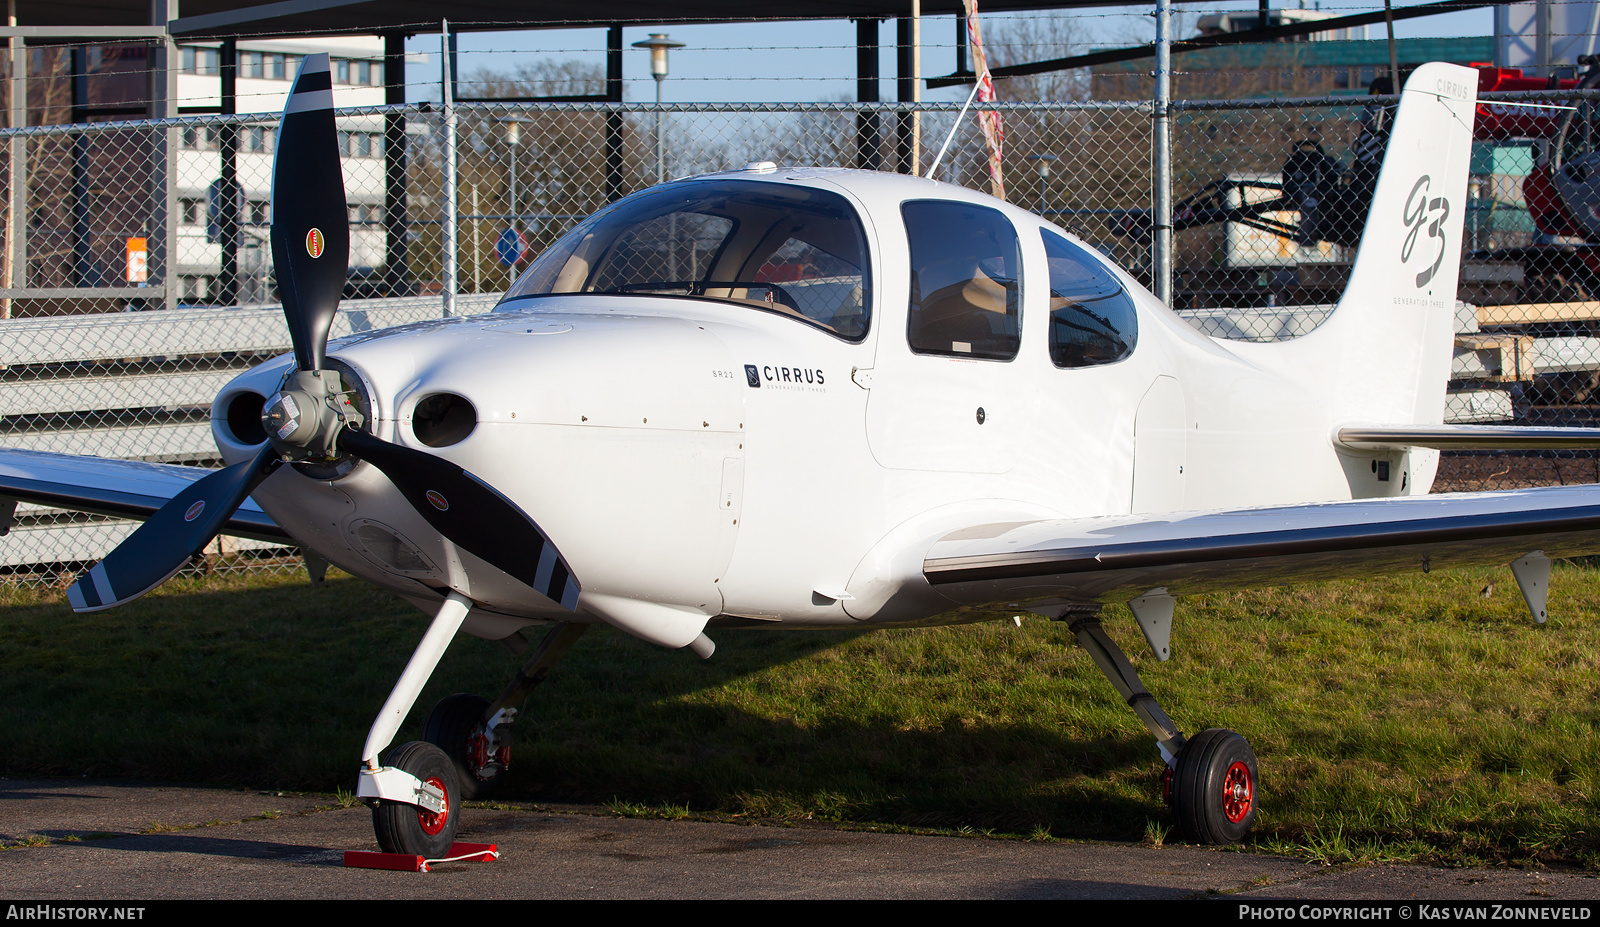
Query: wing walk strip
[1092, 557]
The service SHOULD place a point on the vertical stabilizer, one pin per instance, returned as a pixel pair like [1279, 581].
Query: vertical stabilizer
[1383, 356]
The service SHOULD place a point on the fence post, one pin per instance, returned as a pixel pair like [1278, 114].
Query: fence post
[397, 180]
[867, 153]
[163, 104]
[228, 176]
[615, 186]
[1161, 142]
[448, 246]
[16, 261]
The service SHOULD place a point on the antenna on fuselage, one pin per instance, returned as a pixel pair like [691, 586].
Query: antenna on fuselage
[951, 137]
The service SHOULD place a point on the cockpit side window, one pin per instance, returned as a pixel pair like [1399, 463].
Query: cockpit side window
[966, 283]
[1092, 318]
[791, 250]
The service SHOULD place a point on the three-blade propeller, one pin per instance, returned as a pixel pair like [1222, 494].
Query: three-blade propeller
[311, 418]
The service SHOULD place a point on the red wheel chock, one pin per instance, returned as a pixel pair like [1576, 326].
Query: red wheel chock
[401, 862]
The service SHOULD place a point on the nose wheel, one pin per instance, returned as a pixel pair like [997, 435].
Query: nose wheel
[1213, 788]
[416, 829]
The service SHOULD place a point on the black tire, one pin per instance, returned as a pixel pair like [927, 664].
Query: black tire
[450, 726]
[1215, 788]
[411, 830]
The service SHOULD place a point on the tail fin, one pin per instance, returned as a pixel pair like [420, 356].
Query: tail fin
[1386, 348]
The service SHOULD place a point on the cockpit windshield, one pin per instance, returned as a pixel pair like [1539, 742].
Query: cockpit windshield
[796, 251]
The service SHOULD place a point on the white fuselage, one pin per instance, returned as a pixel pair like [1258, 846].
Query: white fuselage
[630, 429]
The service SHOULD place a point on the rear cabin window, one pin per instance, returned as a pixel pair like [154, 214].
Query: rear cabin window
[1092, 320]
[966, 289]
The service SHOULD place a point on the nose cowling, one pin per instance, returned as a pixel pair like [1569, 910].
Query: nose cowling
[621, 437]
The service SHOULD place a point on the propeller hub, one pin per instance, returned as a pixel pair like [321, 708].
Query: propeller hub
[304, 418]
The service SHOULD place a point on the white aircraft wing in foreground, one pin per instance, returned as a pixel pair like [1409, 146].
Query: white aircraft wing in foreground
[115, 488]
[1056, 567]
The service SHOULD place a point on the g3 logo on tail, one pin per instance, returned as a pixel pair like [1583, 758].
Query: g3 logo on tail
[1422, 212]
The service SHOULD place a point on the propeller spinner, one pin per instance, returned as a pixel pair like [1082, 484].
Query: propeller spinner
[311, 417]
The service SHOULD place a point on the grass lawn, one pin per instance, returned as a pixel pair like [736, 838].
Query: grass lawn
[1409, 717]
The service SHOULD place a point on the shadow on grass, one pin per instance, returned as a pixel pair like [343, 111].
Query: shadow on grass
[1383, 731]
[273, 685]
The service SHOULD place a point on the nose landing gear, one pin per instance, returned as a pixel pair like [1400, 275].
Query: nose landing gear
[427, 828]
[416, 793]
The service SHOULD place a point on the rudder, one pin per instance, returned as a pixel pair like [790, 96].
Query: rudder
[1388, 342]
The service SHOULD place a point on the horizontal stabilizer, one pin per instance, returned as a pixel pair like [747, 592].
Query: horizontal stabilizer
[1466, 437]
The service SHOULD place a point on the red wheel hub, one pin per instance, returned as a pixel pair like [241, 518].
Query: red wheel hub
[478, 751]
[1238, 792]
[432, 822]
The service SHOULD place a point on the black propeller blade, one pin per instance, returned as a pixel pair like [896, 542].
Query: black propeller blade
[310, 218]
[310, 418]
[177, 531]
[308, 195]
[472, 514]
[307, 164]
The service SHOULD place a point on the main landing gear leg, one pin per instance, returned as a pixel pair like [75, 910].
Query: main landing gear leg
[1211, 778]
[414, 793]
[476, 734]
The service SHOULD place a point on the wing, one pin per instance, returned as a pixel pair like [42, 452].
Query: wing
[1466, 437]
[1115, 559]
[118, 488]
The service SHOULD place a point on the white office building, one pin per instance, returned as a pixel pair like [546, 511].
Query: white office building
[266, 70]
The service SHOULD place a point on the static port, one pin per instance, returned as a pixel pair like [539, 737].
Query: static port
[443, 419]
[244, 418]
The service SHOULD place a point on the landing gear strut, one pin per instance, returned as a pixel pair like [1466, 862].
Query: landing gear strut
[1211, 778]
[414, 794]
[476, 734]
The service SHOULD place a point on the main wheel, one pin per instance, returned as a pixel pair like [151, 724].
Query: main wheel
[1214, 787]
[456, 726]
[411, 829]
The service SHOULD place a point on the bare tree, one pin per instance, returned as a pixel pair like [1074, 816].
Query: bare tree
[547, 77]
[559, 160]
[1039, 38]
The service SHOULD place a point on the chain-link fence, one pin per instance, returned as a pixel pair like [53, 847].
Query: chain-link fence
[103, 221]
[1271, 200]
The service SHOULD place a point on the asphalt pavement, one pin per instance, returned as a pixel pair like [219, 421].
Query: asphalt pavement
[81, 840]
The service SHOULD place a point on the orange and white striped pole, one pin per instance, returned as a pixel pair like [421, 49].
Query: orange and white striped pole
[993, 132]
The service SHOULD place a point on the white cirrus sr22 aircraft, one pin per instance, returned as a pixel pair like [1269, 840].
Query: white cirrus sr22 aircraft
[815, 398]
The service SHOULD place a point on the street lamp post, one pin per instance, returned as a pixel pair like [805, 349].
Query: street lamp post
[513, 138]
[659, 45]
[1041, 163]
